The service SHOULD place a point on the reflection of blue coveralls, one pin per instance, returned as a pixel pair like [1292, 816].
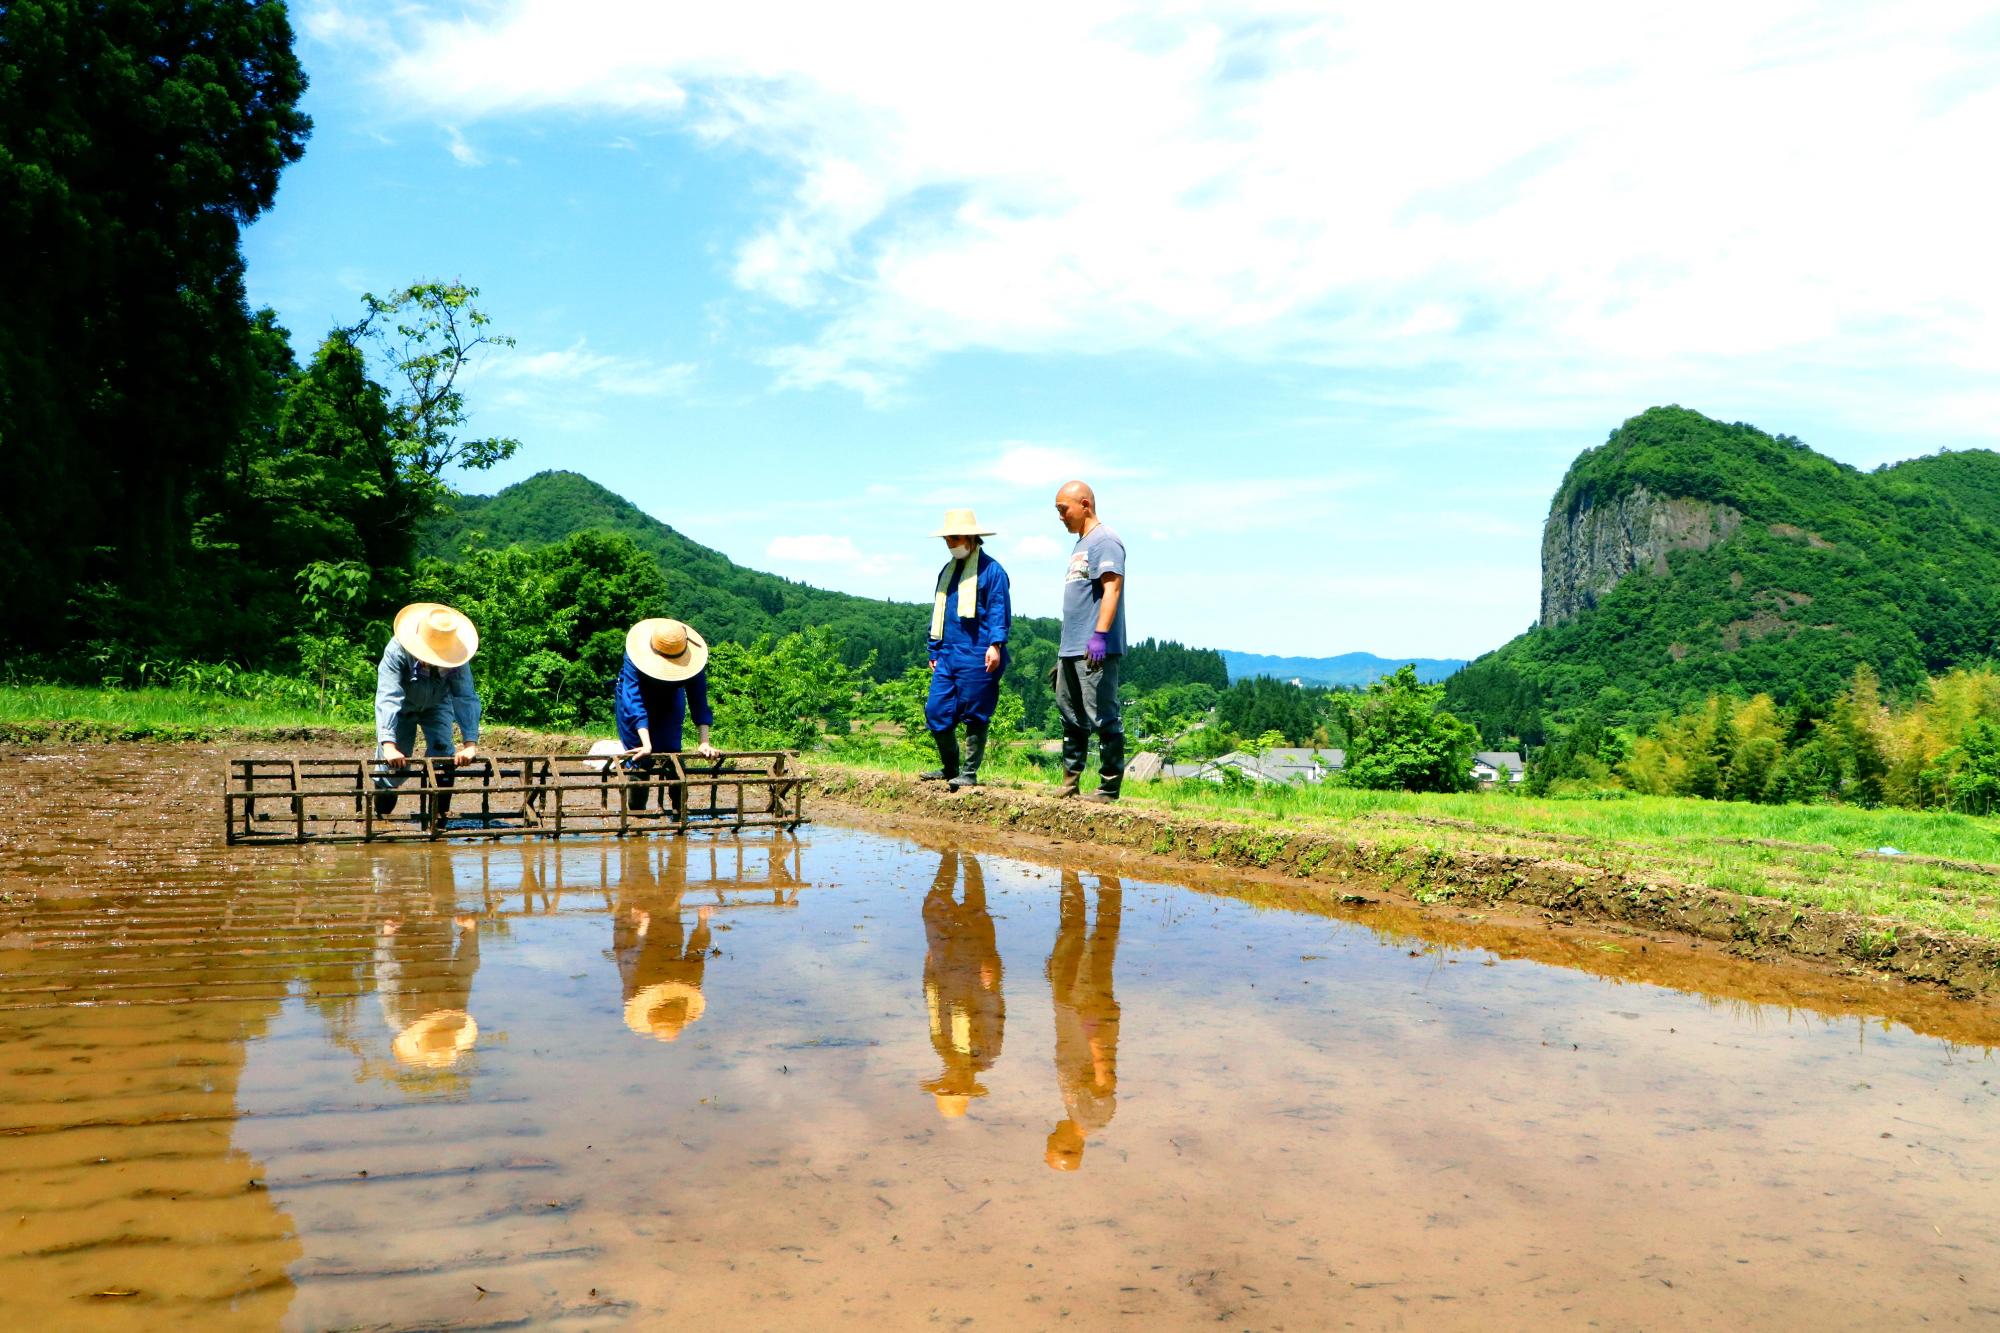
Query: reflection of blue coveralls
[962, 689]
[657, 705]
[411, 694]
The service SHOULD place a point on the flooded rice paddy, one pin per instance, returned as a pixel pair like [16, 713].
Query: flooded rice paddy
[877, 1077]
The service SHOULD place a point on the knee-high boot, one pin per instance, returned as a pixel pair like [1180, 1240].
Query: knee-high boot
[975, 750]
[947, 748]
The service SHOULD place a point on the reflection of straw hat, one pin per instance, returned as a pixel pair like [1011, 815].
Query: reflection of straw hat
[961, 523]
[436, 634]
[436, 1040]
[663, 1009]
[666, 649]
[1065, 1150]
[952, 1105]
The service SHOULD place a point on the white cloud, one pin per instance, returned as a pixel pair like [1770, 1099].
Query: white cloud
[814, 549]
[822, 550]
[1040, 465]
[1556, 201]
[462, 152]
[580, 368]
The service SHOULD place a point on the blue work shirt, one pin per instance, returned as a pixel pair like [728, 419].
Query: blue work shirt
[408, 687]
[645, 701]
[993, 616]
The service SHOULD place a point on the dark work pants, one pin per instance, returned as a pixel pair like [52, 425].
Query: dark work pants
[1088, 702]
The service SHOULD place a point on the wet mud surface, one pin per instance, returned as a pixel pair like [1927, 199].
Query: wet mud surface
[899, 1076]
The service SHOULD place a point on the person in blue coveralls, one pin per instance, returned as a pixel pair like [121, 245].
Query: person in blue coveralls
[424, 681]
[665, 677]
[970, 619]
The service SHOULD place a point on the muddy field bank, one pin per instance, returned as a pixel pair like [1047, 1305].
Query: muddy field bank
[1563, 891]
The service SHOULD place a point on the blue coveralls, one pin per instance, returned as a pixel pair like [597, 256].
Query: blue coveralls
[962, 689]
[658, 705]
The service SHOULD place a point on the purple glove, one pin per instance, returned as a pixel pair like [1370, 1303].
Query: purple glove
[1094, 650]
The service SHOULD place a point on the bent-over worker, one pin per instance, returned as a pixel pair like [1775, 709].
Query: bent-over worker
[664, 678]
[424, 681]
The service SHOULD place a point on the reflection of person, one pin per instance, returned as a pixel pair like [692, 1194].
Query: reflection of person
[970, 619]
[424, 1005]
[660, 964]
[1093, 641]
[1086, 1017]
[664, 677]
[424, 681]
[961, 984]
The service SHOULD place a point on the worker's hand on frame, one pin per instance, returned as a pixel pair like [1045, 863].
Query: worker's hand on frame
[1094, 650]
[707, 751]
[640, 751]
[992, 657]
[393, 757]
[465, 754]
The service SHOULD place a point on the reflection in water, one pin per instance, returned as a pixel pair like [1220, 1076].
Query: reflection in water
[961, 984]
[426, 954]
[659, 964]
[1080, 981]
[202, 1125]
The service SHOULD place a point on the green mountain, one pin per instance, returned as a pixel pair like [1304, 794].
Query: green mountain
[723, 599]
[1684, 556]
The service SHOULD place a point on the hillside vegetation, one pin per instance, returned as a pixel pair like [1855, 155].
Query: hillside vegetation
[1824, 569]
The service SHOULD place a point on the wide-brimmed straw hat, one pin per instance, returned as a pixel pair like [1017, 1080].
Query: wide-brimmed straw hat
[436, 1040]
[666, 649]
[961, 523]
[663, 1009]
[435, 633]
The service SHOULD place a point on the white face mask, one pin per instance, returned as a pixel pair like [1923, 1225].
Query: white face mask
[959, 552]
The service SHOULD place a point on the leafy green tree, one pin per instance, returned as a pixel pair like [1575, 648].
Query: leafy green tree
[1404, 739]
[431, 333]
[784, 693]
[1975, 783]
[332, 593]
[136, 141]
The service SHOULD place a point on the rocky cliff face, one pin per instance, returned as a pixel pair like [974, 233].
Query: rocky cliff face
[1586, 550]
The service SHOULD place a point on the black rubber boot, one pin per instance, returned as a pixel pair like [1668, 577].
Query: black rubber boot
[947, 748]
[975, 750]
[385, 801]
[1071, 786]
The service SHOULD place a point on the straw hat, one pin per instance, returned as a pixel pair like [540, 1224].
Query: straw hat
[666, 649]
[436, 634]
[436, 1040]
[663, 1009]
[961, 523]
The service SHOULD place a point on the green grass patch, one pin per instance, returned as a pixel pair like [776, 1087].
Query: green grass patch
[1794, 854]
[60, 711]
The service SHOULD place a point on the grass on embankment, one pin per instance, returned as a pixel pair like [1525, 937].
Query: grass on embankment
[68, 712]
[1815, 855]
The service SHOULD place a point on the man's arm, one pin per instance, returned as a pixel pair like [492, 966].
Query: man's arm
[465, 708]
[388, 694]
[1107, 609]
[997, 616]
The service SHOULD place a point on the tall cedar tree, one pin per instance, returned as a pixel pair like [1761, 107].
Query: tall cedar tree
[137, 139]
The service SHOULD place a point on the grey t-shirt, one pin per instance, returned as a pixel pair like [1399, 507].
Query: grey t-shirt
[1098, 552]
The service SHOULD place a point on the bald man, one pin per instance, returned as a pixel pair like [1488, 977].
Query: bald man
[1093, 640]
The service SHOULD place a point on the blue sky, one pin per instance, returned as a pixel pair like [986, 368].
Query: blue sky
[1322, 299]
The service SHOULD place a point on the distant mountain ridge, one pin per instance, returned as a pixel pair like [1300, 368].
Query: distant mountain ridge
[1685, 556]
[1347, 669]
[728, 601]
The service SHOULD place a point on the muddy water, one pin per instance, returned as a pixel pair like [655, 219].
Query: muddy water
[857, 1079]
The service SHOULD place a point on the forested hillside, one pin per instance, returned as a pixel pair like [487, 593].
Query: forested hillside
[704, 587]
[1685, 557]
